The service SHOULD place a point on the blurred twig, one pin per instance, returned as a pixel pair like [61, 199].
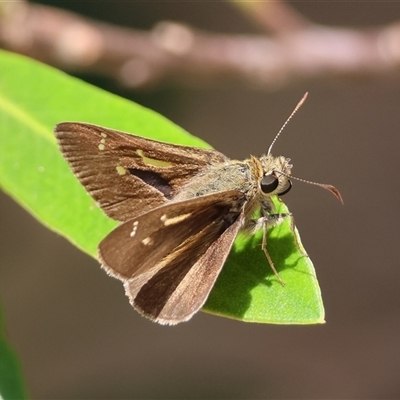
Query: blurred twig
[172, 53]
[274, 16]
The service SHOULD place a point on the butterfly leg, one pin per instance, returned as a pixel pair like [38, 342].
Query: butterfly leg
[266, 219]
[296, 236]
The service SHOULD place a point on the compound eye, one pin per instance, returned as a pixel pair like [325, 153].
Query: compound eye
[286, 188]
[269, 183]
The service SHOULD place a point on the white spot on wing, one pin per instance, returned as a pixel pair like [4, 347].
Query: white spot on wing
[148, 241]
[174, 220]
[102, 141]
[134, 228]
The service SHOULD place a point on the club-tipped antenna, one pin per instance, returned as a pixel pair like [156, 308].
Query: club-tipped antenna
[299, 104]
[326, 186]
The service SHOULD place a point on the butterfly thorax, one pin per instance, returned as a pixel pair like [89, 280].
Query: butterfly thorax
[231, 175]
[246, 177]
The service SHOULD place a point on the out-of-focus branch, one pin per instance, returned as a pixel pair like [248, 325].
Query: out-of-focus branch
[173, 54]
[275, 16]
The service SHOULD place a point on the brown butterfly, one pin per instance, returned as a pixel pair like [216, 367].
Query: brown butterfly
[180, 209]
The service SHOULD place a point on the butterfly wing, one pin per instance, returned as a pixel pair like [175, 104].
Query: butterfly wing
[170, 257]
[126, 174]
[169, 301]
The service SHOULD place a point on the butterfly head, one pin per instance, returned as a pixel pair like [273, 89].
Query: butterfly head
[275, 175]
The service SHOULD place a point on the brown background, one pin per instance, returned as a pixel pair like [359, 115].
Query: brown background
[78, 337]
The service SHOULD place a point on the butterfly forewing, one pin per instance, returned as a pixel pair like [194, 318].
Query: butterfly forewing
[158, 253]
[126, 174]
[139, 245]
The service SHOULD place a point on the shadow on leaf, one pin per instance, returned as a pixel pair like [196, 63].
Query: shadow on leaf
[248, 268]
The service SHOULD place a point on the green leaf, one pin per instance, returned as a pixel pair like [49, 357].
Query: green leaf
[34, 97]
[11, 381]
[248, 290]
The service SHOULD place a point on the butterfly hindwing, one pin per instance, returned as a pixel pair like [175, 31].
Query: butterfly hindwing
[182, 286]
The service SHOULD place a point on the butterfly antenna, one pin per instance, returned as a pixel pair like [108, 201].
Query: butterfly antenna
[326, 186]
[299, 104]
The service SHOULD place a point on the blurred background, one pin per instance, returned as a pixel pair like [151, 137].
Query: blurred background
[71, 324]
